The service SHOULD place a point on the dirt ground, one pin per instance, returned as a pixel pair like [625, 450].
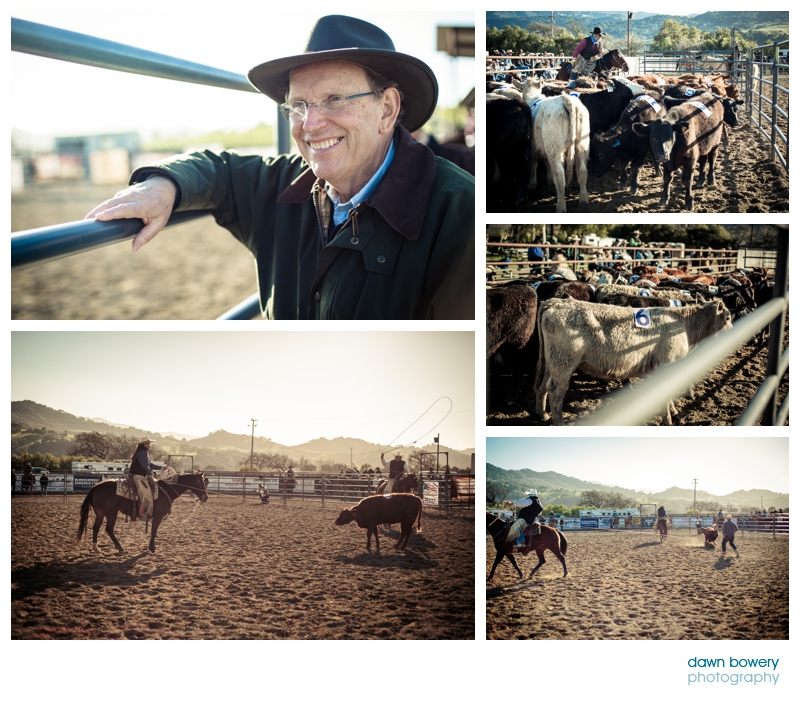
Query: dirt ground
[628, 585]
[720, 398]
[746, 182]
[227, 570]
[195, 271]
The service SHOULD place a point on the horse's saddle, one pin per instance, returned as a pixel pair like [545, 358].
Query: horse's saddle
[126, 489]
[531, 534]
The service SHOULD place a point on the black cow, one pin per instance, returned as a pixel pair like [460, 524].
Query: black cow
[508, 149]
[688, 135]
[621, 143]
[385, 510]
[605, 107]
[510, 330]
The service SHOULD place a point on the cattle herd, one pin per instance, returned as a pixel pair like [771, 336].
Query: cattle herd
[680, 122]
[613, 326]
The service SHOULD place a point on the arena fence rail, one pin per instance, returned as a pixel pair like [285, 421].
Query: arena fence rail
[442, 491]
[34, 246]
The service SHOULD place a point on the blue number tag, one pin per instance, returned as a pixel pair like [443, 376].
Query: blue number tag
[685, 292]
[615, 144]
[675, 303]
[536, 285]
[644, 293]
[634, 279]
[713, 290]
[689, 92]
[641, 317]
[659, 270]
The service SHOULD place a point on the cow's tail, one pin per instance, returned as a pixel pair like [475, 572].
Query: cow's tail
[572, 135]
[84, 516]
[540, 362]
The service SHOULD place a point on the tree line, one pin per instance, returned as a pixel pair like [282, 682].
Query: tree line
[538, 37]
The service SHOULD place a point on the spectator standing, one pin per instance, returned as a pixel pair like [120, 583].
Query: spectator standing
[43, 481]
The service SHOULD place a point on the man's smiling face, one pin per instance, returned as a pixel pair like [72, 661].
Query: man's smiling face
[347, 147]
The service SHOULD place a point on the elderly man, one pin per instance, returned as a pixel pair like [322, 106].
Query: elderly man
[142, 473]
[365, 223]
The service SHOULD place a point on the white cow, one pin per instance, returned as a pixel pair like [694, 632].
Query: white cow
[606, 342]
[560, 135]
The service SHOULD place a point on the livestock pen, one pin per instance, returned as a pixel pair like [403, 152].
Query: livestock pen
[752, 165]
[736, 382]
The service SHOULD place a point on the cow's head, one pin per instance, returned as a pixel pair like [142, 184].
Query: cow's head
[346, 516]
[731, 109]
[662, 136]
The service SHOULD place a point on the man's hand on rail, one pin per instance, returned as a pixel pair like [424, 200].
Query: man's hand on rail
[151, 201]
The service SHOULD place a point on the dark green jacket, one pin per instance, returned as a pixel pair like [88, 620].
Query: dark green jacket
[407, 252]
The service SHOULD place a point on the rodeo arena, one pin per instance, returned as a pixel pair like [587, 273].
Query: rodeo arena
[706, 329]
[606, 140]
[638, 576]
[246, 555]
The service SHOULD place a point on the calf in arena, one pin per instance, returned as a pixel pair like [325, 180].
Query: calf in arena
[711, 534]
[385, 510]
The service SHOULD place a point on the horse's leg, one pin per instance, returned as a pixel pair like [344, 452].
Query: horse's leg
[98, 521]
[560, 555]
[111, 520]
[513, 561]
[540, 554]
[156, 523]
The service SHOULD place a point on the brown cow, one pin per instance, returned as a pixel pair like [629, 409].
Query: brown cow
[385, 510]
[711, 534]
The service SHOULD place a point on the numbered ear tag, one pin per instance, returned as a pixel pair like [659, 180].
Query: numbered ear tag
[644, 293]
[685, 292]
[615, 144]
[641, 317]
[659, 269]
[676, 303]
[690, 92]
[635, 278]
[713, 290]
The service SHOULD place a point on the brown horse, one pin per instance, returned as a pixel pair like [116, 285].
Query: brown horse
[550, 538]
[661, 528]
[407, 484]
[611, 59]
[106, 504]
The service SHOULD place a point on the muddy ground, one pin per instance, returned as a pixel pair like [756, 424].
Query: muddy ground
[747, 182]
[628, 585]
[227, 570]
[720, 398]
[195, 271]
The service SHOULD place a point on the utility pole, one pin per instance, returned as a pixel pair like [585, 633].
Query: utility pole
[630, 17]
[694, 506]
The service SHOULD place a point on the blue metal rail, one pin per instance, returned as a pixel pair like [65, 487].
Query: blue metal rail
[58, 241]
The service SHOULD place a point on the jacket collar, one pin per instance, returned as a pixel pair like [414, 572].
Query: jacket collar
[401, 198]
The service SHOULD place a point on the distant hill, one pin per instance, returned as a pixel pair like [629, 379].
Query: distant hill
[647, 25]
[38, 428]
[566, 490]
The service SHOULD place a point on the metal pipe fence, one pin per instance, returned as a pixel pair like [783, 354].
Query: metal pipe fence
[764, 95]
[43, 244]
[442, 491]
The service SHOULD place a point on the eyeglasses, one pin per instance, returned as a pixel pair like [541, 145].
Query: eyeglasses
[297, 111]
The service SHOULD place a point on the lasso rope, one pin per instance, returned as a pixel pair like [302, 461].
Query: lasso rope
[391, 444]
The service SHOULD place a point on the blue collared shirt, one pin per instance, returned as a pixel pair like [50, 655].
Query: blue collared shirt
[340, 209]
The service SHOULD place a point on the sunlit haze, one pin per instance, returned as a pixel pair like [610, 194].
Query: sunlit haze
[653, 464]
[55, 97]
[298, 385]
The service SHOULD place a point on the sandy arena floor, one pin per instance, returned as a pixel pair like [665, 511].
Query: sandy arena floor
[628, 585]
[233, 571]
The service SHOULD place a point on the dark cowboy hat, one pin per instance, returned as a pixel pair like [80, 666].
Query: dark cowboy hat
[336, 37]
[597, 30]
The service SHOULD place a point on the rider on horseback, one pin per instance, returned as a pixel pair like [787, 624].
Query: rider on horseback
[585, 55]
[142, 475]
[531, 508]
[397, 469]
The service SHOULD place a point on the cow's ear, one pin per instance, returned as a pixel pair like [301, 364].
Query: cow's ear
[680, 127]
[641, 128]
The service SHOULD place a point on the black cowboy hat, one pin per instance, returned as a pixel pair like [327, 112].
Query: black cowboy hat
[597, 30]
[337, 37]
